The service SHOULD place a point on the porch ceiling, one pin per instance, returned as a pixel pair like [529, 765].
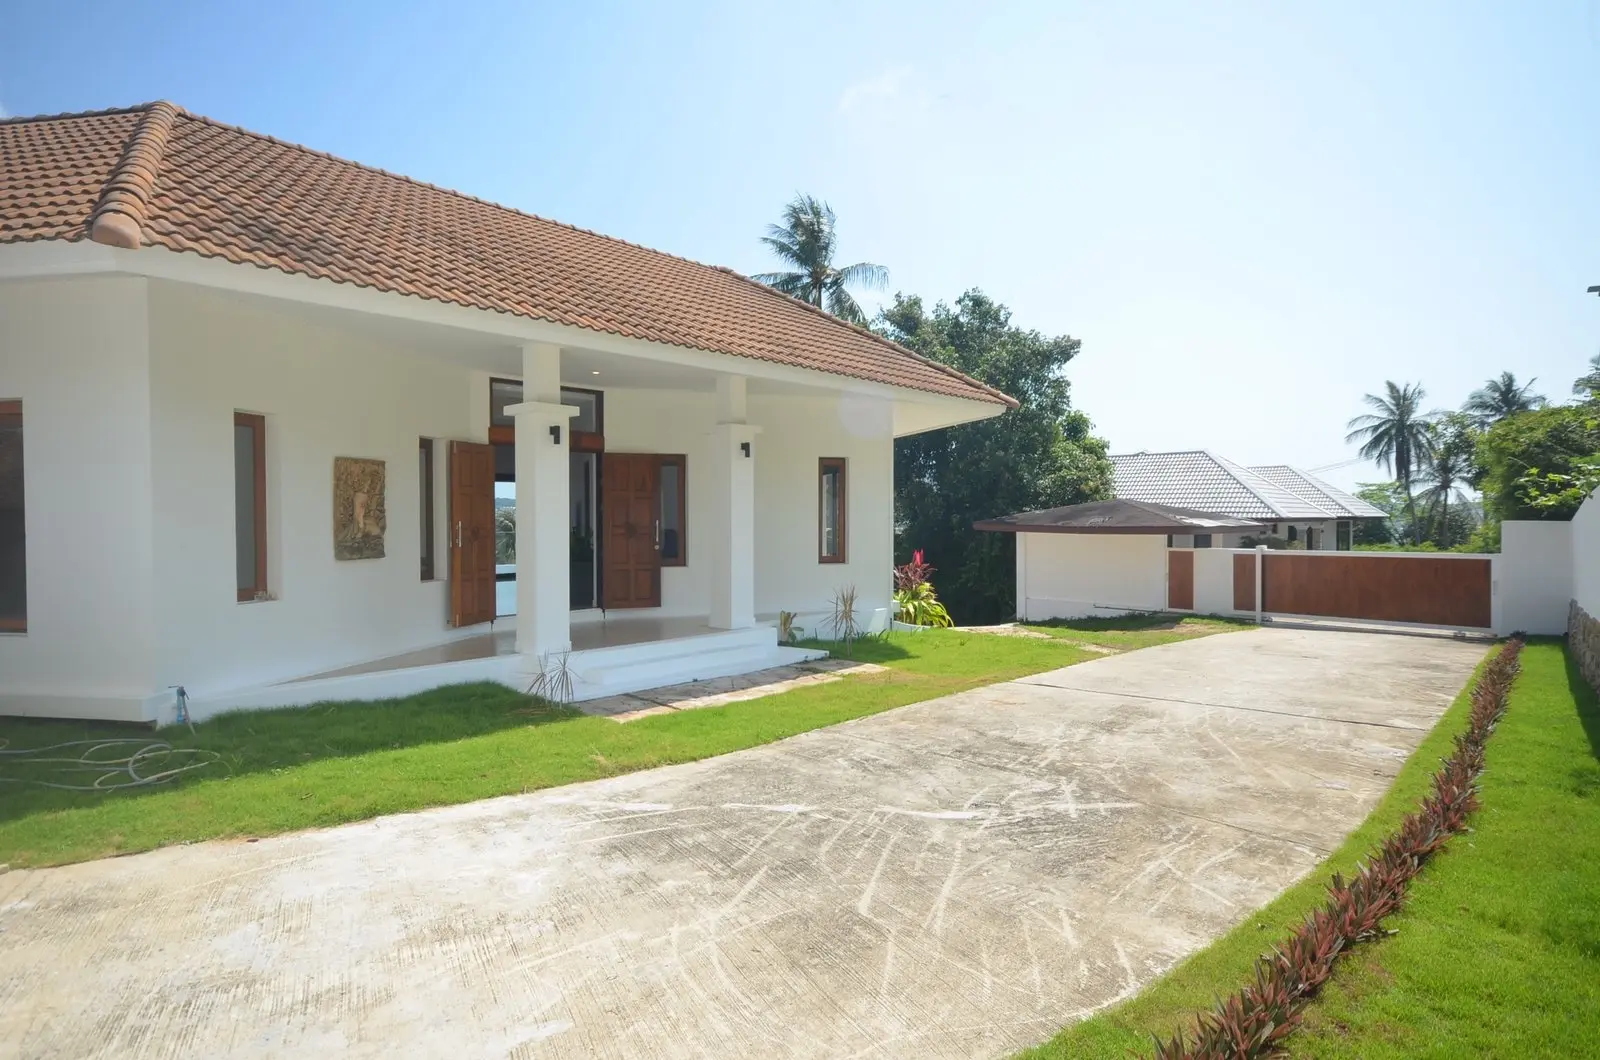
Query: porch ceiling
[582, 366]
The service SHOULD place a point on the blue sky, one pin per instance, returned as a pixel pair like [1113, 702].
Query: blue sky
[1250, 214]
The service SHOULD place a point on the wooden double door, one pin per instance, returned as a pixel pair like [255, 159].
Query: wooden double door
[628, 550]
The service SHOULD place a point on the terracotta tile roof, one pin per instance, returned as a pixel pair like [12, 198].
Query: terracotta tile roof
[156, 175]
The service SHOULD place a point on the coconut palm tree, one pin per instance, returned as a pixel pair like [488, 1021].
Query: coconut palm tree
[1588, 384]
[1499, 398]
[1448, 469]
[1396, 435]
[806, 240]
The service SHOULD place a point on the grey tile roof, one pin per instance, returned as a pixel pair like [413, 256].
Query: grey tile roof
[1308, 487]
[1203, 481]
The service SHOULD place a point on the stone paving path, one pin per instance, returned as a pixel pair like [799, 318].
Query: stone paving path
[716, 691]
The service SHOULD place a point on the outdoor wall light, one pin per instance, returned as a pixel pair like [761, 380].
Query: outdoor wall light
[744, 447]
[555, 433]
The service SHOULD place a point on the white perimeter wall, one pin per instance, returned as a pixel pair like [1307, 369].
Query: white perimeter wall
[75, 352]
[1534, 575]
[1586, 556]
[1079, 575]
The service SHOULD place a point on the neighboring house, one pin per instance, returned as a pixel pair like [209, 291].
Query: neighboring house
[1294, 505]
[199, 324]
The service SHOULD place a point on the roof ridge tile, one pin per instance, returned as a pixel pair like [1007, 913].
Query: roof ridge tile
[118, 218]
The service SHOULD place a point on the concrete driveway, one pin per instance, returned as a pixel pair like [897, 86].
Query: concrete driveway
[957, 878]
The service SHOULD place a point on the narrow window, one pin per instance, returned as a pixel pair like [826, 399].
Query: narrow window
[831, 516]
[1341, 536]
[1202, 541]
[13, 540]
[250, 503]
[425, 493]
[672, 476]
[1292, 533]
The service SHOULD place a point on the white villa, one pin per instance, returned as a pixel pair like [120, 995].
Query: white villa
[224, 358]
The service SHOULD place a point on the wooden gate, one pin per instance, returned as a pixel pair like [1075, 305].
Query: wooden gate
[1180, 580]
[1372, 586]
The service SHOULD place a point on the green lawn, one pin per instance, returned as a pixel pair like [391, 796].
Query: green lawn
[282, 770]
[1498, 951]
[1137, 631]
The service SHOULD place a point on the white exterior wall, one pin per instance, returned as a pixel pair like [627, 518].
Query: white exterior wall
[1534, 572]
[795, 433]
[1081, 575]
[325, 392]
[75, 352]
[1586, 556]
[129, 388]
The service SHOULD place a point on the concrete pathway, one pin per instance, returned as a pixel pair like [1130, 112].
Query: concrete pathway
[953, 879]
[718, 691]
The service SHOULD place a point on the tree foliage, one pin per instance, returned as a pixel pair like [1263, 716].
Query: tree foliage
[806, 241]
[1040, 455]
[1587, 385]
[1499, 398]
[1451, 442]
[1394, 435]
[1550, 441]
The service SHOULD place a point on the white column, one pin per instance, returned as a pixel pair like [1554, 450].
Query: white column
[730, 522]
[544, 622]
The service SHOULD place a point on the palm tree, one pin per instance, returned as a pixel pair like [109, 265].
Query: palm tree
[1588, 384]
[1449, 467]
[1499, 398]
[1396, 435]
[806, 240]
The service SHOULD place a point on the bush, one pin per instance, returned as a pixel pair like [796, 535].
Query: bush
[915, 602]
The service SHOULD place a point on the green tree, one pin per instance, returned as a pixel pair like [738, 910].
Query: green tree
[1587, 385]
[1499, 398]
[1549, 441]
[806, 240]
[1391, 499]
[1039, 455]
[1453, 445]
[1395, 435]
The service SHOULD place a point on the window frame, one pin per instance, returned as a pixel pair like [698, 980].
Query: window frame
[429, 549]
[681, 462]
[1195, 540]
[11, 410]
[258, 425]
[839, 464]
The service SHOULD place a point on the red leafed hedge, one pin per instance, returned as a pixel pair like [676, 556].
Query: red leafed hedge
[1255, 1021]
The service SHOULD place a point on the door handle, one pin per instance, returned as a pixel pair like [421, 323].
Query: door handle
[658, 535]
[458, 533]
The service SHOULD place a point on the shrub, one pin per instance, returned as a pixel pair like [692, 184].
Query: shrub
[915, 602]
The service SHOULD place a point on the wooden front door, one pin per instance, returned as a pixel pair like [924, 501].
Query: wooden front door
[630, 515]
[471, 533]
